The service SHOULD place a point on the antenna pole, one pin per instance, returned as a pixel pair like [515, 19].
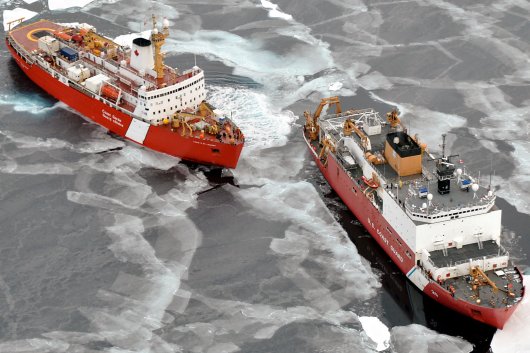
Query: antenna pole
[491, 167]
[443, 145]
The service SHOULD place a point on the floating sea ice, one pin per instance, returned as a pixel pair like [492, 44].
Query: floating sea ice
[377, 331]
[30, 1]
[65, 4]
[312, 228]
[16, 13]
[419, 339]
[335, 86]
[515, 336]
[35, 345]
[274, 10]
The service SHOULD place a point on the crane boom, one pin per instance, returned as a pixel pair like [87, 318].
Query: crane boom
[311, 121]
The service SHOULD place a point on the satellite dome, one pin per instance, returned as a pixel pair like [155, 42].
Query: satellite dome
[474, 187]
[429, 197]
[396, 140]
[459, 171]
[165, 23]
[155, 30]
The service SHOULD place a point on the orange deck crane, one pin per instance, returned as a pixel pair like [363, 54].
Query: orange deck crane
[311, 124]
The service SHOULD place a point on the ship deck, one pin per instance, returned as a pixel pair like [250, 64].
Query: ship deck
[26, 36]
[507, 279]
[457, 199]
[451, 256]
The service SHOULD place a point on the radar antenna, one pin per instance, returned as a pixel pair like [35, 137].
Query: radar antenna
[158, 39]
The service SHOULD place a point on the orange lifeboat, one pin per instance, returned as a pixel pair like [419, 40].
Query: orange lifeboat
[62, 35]
[370, 182]
[110, 92]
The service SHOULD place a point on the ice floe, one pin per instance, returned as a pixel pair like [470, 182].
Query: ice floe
[66, 4]
[515, 336]
[335, 86]
[249, 58]
[312, 227]
[15, 14]
[419, 339]
[377, 331]
[274, 10]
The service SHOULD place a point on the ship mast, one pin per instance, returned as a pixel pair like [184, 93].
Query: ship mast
[158, 39]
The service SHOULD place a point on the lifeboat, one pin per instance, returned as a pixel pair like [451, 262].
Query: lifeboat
[110, 92]
[63, 35]
[370, 182]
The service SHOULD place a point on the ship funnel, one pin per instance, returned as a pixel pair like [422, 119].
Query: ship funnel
[142, 55]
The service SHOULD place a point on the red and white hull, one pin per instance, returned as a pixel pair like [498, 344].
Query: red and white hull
[396, 247]
[158, 138]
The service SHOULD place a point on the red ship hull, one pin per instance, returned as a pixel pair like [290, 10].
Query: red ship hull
[395, 247]
[158, 138]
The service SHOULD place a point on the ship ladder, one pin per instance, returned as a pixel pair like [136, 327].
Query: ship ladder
[444, 250]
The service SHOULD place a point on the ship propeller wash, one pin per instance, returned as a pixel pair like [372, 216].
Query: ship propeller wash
[128, 90]
[435, 220]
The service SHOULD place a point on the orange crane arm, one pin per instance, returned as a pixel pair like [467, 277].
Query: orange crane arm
[476, 270]
[327, 101]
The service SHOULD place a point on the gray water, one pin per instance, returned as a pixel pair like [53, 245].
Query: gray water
[109, 247]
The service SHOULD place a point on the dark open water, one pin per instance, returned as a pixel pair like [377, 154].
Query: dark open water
[132, 251]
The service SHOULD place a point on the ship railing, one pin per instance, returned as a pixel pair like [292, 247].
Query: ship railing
[21, 51]
[435, 210]
[431, 262]
[473, 259]
[335, 122]
[106, 102]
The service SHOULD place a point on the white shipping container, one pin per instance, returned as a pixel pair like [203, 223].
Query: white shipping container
[78, 74]
[48, 44]
[94, 83]
[74, 74]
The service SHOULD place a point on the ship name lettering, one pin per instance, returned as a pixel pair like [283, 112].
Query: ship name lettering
[382, 236]
[396, 253]
[434, 293]
[385, 240]
[111, 117]
[203, 143]
[370, 222]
